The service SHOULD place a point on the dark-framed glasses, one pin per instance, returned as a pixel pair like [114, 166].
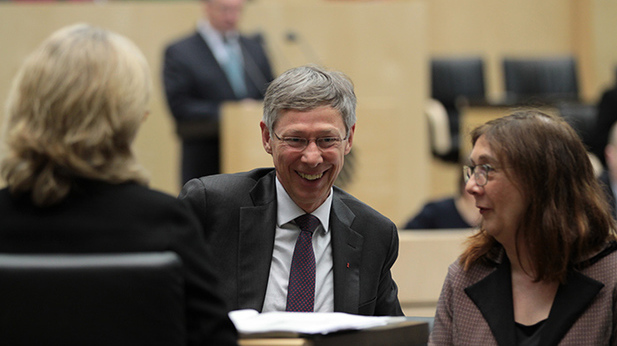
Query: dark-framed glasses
[480, 173]
[301, 143]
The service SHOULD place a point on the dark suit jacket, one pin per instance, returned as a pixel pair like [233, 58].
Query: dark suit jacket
[605, 182]
[475, 306]
[238, 212]
[102, 218]
[605, 118]
[196, 85]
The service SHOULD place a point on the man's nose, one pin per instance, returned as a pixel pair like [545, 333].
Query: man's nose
[312, 154]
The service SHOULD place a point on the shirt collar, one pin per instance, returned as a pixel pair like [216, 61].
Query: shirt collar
[210, 34]
[288, 210]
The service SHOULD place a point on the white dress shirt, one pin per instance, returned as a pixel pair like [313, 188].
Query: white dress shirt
[284, 243]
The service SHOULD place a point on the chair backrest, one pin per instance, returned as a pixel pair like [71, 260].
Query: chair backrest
[99, 299]
[439, 128]
[456, 77]
[541, 80]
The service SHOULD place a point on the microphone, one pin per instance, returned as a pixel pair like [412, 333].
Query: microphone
[254, 72]
[305, 46]
[291, 36]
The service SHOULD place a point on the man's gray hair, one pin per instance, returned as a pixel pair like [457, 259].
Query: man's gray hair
[308, 87]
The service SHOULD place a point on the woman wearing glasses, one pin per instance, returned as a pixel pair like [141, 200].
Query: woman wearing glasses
[542, 269]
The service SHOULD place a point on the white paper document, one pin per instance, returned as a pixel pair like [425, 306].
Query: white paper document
[250, 321]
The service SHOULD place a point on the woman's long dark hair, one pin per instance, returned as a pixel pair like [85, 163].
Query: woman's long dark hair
[567, 218]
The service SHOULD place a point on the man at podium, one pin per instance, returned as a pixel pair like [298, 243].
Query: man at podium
[286, 239]
[201, 71]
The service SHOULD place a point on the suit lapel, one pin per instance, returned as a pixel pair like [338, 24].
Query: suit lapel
[256, 242]
[346, 256]
[493, 297]
[571, 300]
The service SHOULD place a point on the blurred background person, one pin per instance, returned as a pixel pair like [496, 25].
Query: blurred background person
[74, 185]
[448, 213]
[541, 270]
[609, 175]
[205, 69]
[605, 118]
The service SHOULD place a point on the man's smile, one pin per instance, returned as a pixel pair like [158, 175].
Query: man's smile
[310, 176]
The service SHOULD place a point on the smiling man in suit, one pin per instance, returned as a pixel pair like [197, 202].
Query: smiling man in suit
[254, 220]
[201, 71]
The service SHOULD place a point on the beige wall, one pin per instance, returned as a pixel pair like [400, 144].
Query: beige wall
[604, 39]
[490, 28]
[149, 24]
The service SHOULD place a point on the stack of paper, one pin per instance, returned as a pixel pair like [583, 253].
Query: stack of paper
[297, 323]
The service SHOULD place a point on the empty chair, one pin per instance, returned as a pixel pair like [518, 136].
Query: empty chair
[103, 299]
[455, 81]
[439, 132]
[541, 80]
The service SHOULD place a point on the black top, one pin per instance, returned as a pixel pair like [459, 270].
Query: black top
[441, 214]
[97, 217]
[528, 335]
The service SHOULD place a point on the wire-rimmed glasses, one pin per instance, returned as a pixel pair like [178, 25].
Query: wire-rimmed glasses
[300, 143]
[480, 173]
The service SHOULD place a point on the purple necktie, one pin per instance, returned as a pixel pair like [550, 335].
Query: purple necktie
[301, 289]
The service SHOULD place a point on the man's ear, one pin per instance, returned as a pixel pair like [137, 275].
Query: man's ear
[352, 131]
[265, 137]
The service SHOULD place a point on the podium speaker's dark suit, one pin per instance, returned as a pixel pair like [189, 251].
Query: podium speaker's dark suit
[238, 212]
[196, 85]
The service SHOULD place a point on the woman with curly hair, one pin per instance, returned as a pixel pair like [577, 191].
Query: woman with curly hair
[73, 183]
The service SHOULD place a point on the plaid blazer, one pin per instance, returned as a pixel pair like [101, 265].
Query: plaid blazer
[475, 306]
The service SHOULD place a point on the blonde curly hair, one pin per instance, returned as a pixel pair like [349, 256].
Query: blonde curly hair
[73, 112]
